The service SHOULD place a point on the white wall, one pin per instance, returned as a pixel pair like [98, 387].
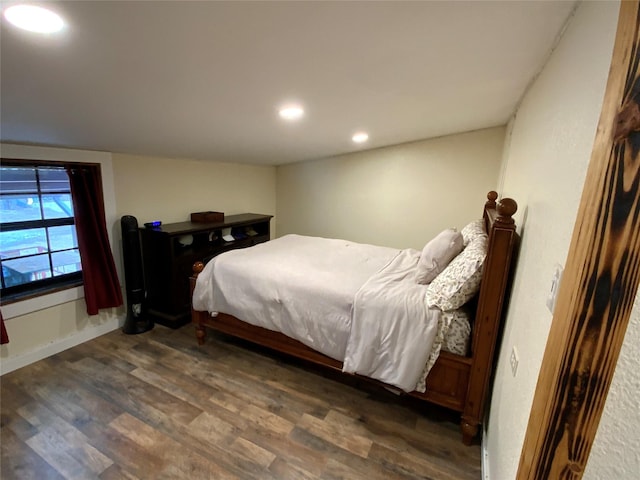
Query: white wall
[548, 149]
[615, 450]
[148, 188]
[399, 196]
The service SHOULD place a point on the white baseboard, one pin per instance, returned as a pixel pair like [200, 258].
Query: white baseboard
[484, 454]
[13, 363]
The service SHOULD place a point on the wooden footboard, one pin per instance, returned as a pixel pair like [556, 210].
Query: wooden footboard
[455, 382]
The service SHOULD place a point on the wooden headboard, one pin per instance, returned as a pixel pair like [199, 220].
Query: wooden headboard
[503, 241]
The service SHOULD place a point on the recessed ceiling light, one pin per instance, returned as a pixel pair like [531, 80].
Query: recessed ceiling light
[291, 112]
[34, 19]
[360, 137]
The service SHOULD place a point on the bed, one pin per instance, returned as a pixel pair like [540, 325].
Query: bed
[398, 317]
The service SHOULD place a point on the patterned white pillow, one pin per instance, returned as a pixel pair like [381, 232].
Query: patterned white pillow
[473, 230]
[460, 281]
[453, 336]
[437, 254]
[459, 335]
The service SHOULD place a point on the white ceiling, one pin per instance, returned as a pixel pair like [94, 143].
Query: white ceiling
[205, 79]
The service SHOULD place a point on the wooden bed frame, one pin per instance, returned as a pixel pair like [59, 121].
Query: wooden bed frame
[455, 382]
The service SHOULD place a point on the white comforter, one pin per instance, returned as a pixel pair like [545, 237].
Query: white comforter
[354, 302]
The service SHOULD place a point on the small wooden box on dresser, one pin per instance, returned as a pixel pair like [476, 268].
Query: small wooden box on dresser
[169, 252]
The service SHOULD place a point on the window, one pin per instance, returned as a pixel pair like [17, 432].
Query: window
[38, 242]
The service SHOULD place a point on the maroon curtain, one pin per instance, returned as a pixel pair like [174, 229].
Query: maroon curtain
[4, 338]
[101, 285]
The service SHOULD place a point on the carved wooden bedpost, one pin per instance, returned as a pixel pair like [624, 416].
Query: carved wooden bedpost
[492, 196]
[489, 314]
[195, 315]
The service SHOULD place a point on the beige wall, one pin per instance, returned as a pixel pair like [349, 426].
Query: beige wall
[399, 196]
[153, 188]
[150, 189]
[44, 332]
[546, 157]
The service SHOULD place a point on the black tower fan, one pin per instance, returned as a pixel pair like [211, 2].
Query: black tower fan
[137, 320]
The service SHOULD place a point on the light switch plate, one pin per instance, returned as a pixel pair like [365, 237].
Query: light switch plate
[514, 361]
[555, 286]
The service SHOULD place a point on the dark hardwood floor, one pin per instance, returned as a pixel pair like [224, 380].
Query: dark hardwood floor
[157, 406]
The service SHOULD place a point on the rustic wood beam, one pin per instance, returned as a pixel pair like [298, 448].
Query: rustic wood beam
[600, 280]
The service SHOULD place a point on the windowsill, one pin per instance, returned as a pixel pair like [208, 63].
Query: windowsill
[34, 304]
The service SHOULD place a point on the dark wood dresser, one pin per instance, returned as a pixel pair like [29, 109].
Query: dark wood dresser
[170, 250]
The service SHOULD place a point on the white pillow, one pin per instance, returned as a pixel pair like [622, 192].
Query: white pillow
[460, 281]
[437, 254]
[472, 230]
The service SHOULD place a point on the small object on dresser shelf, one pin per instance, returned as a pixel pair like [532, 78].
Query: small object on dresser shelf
[207, 217]
[154, 224]
[226, 235]
[185, 240]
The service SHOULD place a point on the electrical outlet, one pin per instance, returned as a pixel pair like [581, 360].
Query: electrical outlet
[514, 360]
[555, 286]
